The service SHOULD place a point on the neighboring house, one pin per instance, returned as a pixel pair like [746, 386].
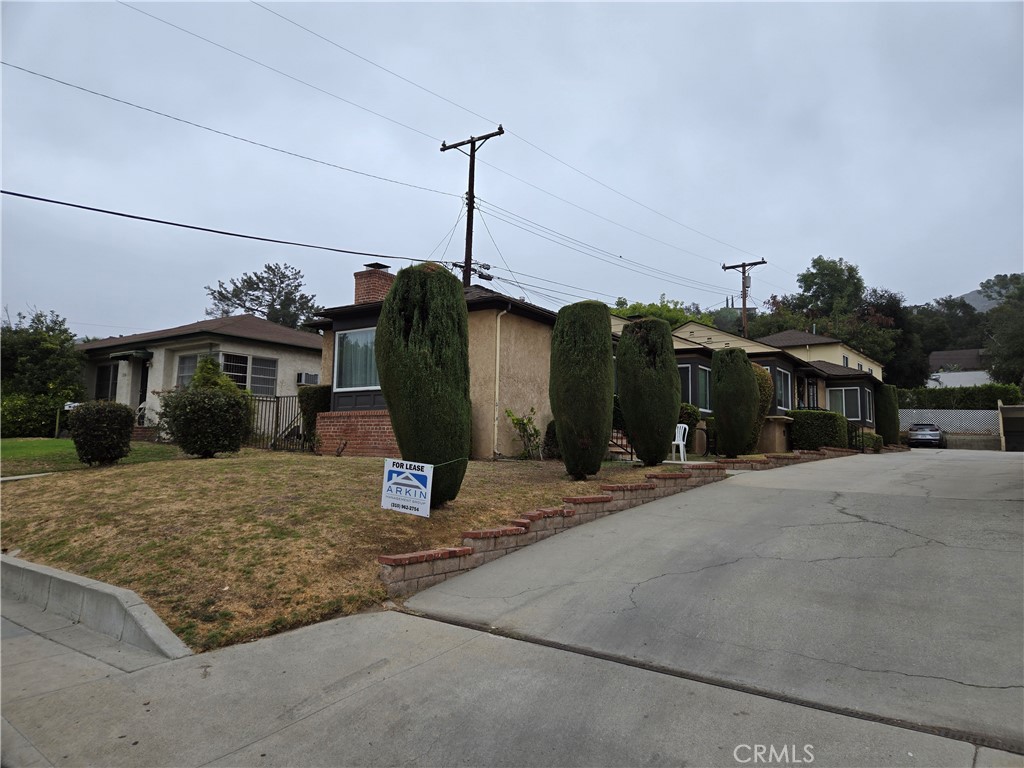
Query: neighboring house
[801, 366]
[957, 368]
[263, 357]
[509, 363]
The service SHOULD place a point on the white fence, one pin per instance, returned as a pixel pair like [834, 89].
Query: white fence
[953, 422]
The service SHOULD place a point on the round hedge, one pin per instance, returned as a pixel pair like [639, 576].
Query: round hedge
[648, 380]
[735, 397]
[101, 431]
[204, 421]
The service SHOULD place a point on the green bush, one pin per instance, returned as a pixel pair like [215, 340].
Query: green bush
[208, 375]
[887, 415]
[689, 414]
[873, 442]
[648, 388]
[549, 449]
[819, 429]
[581, 386]
[313, 400]
[981, 398]
[735, 396]
[101, 431]
[206, 421]
[32, 415]
[422, 354]
[765, 400]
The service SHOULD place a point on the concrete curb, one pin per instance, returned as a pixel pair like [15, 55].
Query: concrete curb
[112, 611]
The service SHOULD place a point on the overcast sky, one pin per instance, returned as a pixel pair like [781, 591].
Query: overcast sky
[889, 135]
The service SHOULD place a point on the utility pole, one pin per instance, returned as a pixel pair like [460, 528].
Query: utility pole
[746, 285]
[474, 142]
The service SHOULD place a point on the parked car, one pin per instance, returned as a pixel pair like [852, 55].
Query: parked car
[927, 435]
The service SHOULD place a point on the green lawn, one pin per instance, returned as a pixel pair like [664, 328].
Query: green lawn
[32, 455]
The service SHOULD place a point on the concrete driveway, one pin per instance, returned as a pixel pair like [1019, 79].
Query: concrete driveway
[887, 587]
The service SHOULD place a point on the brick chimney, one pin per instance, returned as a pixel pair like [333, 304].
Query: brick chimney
[372, 283]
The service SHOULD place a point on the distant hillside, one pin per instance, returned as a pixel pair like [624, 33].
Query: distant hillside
[979, 302]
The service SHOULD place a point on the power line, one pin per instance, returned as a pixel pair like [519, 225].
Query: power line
[689, 281]
[278, 71]
[503, 261]
[510, 132]
[196, 228]
[225, 133]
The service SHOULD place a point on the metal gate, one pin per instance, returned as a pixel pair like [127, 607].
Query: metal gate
[276, 424]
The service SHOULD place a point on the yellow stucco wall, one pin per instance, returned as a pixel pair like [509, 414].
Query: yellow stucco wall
[523, 366]
[327, 358]
[833, 353]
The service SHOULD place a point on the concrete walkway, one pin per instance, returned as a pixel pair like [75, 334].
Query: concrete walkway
[391, 688]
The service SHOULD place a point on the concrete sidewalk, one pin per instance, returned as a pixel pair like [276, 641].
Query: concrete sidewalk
[389, 689]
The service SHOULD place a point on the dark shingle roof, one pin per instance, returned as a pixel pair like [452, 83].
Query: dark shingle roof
[247, 327]
[796, 339]
[835, 371]
[477, 297]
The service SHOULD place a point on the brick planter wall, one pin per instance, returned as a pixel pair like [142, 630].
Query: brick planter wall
[407, 574]
[356, 433]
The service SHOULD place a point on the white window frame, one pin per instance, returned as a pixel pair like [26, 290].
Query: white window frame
[846, 361]
[249, 362]
[335, 377]
[843, 390]
[711, 405]
[788, 399]
[178, 374]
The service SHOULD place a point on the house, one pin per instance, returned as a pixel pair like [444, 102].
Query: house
[509, 363]
[266, 358]
[802, 366]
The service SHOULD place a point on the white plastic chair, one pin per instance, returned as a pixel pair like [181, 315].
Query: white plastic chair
[682, 430]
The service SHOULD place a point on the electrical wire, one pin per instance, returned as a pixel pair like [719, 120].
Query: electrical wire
[210, 230]
[225, 133]
[449, 234]
[503, 261]
[280, 72]
[508, 131]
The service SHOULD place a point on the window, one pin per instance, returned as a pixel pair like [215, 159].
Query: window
[783, 389]
[846, 361]
[106, 382]
[684, 384]
[236, 367]
[186, 369]
[263, 379]
[257, 374]
[355, 364]
[812, 393]
[869, 406]
[845, 401]
[860, 366]
[704, 388]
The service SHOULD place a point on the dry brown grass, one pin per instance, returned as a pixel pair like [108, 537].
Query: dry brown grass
[229, 549]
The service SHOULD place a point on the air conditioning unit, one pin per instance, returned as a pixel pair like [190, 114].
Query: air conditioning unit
[307, 378]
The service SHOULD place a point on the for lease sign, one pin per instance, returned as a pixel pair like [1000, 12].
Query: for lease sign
[407, 487]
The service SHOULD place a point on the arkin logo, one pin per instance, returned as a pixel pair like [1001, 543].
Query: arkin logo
[403, 483]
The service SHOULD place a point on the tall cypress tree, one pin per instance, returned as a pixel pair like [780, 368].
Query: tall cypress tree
[581, 385]
[422, 349]
[648, 388]
[735, 398]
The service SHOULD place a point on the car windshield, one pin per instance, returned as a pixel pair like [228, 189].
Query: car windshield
[923, 427]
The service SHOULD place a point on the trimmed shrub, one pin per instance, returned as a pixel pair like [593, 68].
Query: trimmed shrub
[981, 398]
[102, 431]
[549, 449]
[689, 414]
[582, 384]
[422, 354]
[32, 415]
[887, 415]
[765, 400]
[313, 400]
[873, 442]
[205, 421]
[734, 393]
[208, 375]
[819, 429]
[648, 388]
